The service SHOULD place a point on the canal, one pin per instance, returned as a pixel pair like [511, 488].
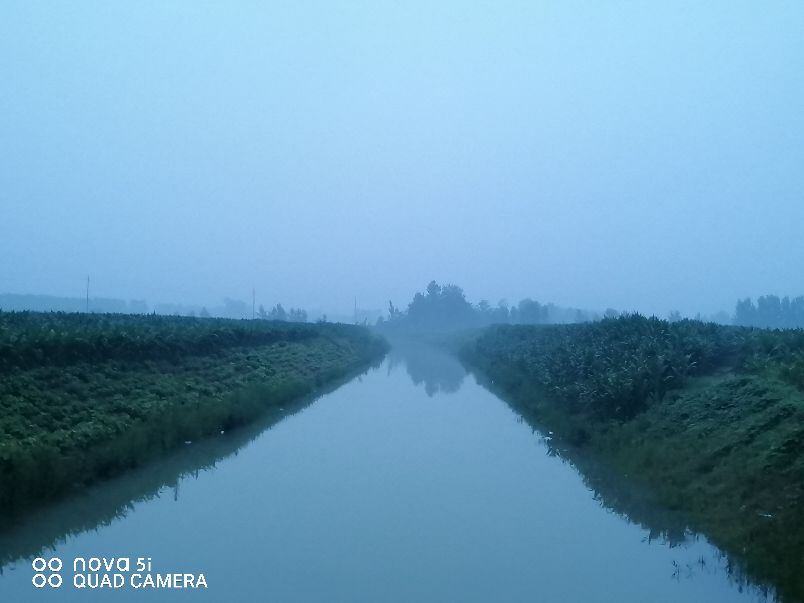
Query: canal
[409, 483]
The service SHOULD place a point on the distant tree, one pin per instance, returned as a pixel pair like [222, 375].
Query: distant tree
[277, 313]
[610, 313]
[746, 313]
[445, 307]
[235, 308]
[441, 308]
[797, 311]
[297, 315]
[770, 311]
[486, 314]
[261, 313]
[204, 313]
[784, 314]
[394, 313]
[531, 312]
[674, 316]
[501, 313]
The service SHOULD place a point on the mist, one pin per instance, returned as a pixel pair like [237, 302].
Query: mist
[639, 158]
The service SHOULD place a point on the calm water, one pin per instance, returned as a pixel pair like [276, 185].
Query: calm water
[410, 483]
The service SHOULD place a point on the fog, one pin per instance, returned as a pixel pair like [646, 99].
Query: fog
[636, 157]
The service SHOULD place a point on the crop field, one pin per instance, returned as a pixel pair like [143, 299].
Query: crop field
[84, 397]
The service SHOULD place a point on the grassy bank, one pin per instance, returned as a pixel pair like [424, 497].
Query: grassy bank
[83, 397]
[100, 504]
[708, 419]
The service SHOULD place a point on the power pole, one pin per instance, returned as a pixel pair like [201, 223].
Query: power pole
[87, 294]
[253, 301]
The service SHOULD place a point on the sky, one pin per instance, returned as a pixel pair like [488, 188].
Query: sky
[636, 155]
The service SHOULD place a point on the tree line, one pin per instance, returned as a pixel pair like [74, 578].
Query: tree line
[771, 312]
[279, 313]
[445, 307]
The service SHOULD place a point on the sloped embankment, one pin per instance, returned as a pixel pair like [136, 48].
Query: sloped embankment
[709, 419]
[86, 397]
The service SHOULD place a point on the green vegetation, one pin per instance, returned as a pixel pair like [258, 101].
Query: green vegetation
[84, 397]
[30, 339]
[102, 503]
[709, 419]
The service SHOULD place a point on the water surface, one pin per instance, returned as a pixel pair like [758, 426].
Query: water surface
[410, 483]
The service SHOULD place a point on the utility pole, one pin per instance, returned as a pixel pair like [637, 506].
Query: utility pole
[253, 301]
[355, 309]
[87, 294]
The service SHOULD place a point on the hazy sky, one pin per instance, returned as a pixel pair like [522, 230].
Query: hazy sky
[639, 155]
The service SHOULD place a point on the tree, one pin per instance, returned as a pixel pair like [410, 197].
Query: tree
[297, 315]
[770, 311]
[278, 313]
[441, 308]
[531, 312]
[746, 313]
[235, 308]
[393, 312]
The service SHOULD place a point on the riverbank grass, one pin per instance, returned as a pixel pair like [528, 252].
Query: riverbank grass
[86, 397]
[709, 419]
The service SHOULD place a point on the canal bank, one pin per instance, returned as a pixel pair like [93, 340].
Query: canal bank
[717, 444]
[410, 482]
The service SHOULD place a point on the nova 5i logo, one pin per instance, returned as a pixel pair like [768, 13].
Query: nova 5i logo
[112, 573]
[52, 566]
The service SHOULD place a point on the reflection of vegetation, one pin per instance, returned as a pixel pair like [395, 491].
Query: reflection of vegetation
[610, 487]
[615, 490]
[440, 372]
[709, 419]
[113, 499]
[85, 397]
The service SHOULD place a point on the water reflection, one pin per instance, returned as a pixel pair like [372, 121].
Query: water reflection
[378, 494]
[102, 504]
[638, 505]
[443, 373]
[440, 373]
